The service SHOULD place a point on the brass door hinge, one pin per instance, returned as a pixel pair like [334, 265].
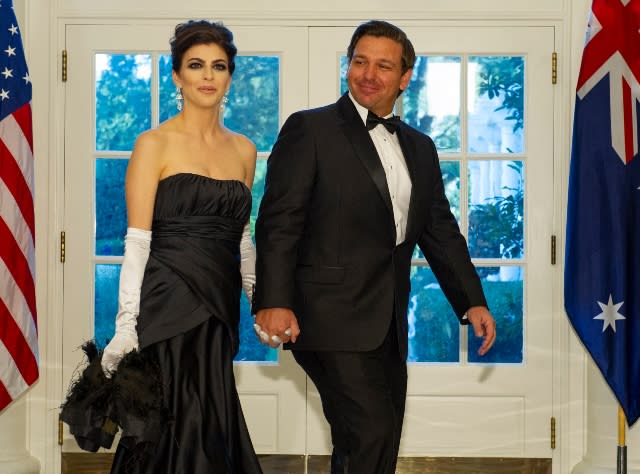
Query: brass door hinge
[64, 65]
[553, 250]
[554, 68]
[553, 432]
[63, 248]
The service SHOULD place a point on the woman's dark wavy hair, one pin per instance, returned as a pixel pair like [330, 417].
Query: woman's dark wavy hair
[379, 28]
[196, 32]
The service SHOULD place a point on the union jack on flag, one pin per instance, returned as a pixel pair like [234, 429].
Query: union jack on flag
[602, 267]
[18, 322]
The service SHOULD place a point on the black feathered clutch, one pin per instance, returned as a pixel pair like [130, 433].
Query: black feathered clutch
[133, 399]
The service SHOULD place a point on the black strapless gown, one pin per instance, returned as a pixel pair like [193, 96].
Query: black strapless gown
[188, 326]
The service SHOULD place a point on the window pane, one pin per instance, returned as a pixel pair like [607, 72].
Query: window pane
[107, 278]
[496, 209]
[433, 326]
[123, 99]
[496, 104]
[166, 88]
[111, 210]
[344, 65]
[431, 103]
[451, 178]
[253, 106]
[257, 191]
[503, 287]
[250, 348]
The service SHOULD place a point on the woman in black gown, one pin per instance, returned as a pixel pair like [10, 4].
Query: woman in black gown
[188, 253]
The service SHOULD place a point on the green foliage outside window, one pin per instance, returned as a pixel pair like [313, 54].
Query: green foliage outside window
[496, 227]
[444, 130]
[254, 98]
[505, 302]
[110, 210]
[503, 77]
[434, 333]
[436, 329]
[123, 102]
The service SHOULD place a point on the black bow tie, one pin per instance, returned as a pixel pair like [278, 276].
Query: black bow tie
[391, 123]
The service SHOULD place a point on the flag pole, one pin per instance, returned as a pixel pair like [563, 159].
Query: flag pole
[622, 448]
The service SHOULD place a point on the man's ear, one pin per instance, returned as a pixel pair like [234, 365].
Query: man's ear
[406, 77]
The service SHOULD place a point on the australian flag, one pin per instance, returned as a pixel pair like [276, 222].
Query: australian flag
[602, 268]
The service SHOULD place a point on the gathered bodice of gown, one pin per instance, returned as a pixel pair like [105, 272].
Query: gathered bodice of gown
[193, 272]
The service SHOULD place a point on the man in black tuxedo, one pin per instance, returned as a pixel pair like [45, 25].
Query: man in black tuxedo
[349, 193]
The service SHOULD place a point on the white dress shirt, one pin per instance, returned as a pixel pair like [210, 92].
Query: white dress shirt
[395, 169]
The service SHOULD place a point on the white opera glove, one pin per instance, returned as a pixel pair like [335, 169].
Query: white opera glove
[137, 245]
[247, 262]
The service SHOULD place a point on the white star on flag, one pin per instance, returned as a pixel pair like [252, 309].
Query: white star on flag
[13, 30]
[4, 94]
[7, 73]
[10, 51]
[26, 78]
[609, 314]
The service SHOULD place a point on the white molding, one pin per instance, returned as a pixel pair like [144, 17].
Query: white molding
[575, 381]
[347, 18]
[56, 199]
[569, 375]
[42, 50]
[313, 22]
[322, 11]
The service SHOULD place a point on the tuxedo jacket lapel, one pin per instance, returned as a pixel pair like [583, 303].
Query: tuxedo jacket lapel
[358, 135]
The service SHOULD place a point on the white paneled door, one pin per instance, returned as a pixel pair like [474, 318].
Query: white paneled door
[484, 94]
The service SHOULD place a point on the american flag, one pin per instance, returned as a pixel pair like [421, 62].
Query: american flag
[18, 321]
[602, 271]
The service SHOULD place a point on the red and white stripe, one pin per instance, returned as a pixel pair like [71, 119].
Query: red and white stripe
[18, 320]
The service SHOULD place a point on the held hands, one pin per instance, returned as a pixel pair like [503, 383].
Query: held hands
[483, 326]
[276, 325]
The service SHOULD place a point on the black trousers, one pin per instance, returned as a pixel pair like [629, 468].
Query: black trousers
[363, 398]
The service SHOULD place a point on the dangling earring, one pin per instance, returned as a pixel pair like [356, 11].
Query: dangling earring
[179, 99]
[223, 102]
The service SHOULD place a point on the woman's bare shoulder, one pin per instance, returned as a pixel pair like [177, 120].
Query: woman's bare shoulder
[151, 140]
[244, 146]
[154, 143]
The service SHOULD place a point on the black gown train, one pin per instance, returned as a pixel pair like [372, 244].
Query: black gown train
[188, 328]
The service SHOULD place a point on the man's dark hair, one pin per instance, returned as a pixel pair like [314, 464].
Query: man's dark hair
[384, 29]
[196, 32]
